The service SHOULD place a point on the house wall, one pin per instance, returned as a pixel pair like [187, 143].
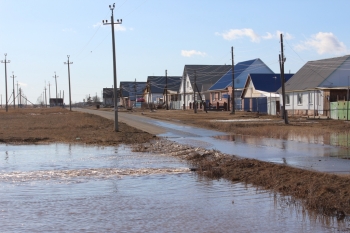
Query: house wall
[312, 103]
[214, 97]
[188, 94]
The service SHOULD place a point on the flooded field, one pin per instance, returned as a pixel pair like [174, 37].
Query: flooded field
[66, 188]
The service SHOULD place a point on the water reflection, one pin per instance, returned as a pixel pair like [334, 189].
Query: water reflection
[333, 145]
[106, 189]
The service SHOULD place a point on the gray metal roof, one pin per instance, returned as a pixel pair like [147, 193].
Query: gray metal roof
[207, 75]
[313, 73]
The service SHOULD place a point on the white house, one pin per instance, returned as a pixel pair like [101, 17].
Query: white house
[199, 78]
[318, 83]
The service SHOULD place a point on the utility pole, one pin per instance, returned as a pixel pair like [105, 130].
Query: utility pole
[70, 100]
[49, 94]
[135, 92]
[105, 22]
[166, 89]
[282, 59]
[233, 84]
[184, 89]
[20, 96]
[17, 95]
[45, 96]
[6, 61]
[194, 92]
[55, 77]
[13, 76]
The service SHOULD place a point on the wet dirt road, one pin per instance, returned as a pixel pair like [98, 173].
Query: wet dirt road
[317, 157]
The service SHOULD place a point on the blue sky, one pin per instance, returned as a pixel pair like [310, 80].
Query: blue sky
[158, 35]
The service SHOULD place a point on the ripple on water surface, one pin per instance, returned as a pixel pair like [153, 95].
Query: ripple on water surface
[76, 188]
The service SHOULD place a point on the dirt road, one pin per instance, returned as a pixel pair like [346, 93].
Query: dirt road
[127, 118]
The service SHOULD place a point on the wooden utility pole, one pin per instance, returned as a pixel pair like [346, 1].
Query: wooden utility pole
[70, 100]
[166, 89]
[282, 59]
[45, 97]
[49, 94]
[112, 23]
[184, 89]
[55, 77]
[194, 92]
[17, 95]
[13, 92]
[233, 84]
[6, 61]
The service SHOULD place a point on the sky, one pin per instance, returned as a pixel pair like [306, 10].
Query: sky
[157, 35]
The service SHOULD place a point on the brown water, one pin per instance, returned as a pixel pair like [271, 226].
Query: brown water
[63, 188]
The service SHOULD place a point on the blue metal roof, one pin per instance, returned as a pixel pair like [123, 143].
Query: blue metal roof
[226, 80]
[268, 82]
[242, 69]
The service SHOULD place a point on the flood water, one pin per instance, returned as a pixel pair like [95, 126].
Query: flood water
[66, 188]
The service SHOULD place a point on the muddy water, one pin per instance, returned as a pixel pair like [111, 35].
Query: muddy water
[62, 188]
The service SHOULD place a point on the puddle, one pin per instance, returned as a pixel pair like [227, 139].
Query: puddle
[74, 188]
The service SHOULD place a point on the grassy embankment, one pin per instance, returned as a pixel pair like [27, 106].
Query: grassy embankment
[48, 125]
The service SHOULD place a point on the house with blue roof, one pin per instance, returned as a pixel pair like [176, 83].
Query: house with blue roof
[259, 94]
[223, 87]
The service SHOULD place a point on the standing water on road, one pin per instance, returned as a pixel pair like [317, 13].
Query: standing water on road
[71, 188]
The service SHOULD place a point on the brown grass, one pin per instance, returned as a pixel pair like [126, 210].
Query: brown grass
[325, 193]
[60, 125]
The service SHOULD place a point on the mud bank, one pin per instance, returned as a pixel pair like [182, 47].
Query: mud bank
[325, 193]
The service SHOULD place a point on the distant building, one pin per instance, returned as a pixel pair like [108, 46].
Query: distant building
[54, 102]
[131, 92]
[108, 96]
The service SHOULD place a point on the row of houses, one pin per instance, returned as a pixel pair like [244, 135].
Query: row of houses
[310, 91]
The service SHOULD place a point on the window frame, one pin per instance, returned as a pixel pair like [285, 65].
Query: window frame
[300, 99]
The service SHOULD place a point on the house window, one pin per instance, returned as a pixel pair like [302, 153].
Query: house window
[310, 97]
[287, 100]
[219, 95]
[300, 98]
[213, 96]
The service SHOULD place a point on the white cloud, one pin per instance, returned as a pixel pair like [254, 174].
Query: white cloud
[119, 27]
[323, 42]
[190, 53]
[277, 35]
[233, 34]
